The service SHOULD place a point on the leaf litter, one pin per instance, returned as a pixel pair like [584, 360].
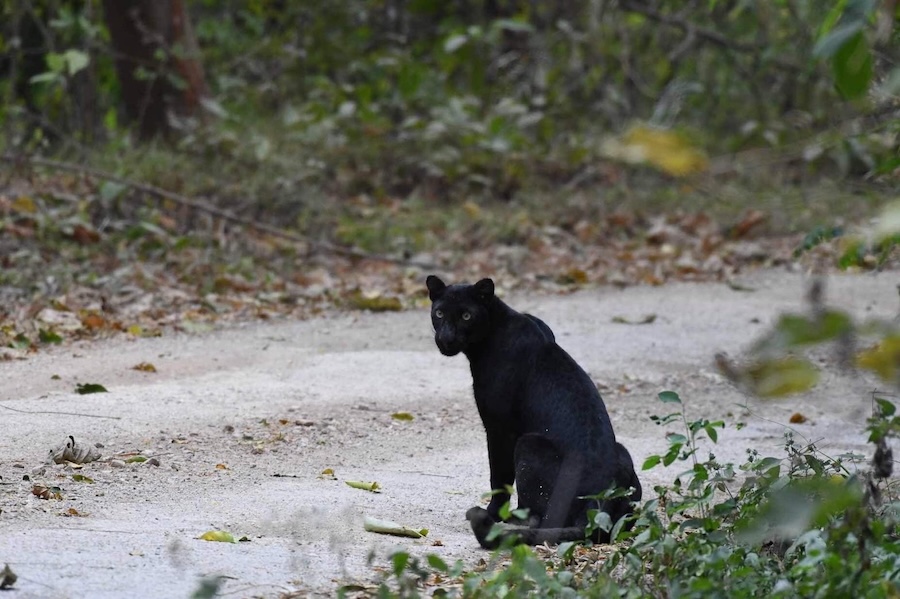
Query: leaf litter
[101, 268]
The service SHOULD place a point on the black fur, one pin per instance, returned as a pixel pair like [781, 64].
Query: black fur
[547, 427]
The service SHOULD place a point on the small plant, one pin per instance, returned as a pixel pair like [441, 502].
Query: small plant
[800, 525]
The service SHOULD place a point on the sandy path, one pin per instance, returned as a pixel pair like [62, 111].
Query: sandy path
[206, 406]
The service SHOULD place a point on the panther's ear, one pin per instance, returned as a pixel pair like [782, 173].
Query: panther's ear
[485, 289]
[435, 286]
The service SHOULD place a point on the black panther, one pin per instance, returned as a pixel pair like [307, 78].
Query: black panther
[547, 427]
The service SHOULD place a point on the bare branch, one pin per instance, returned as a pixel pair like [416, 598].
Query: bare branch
[201, 206]
[713, 37]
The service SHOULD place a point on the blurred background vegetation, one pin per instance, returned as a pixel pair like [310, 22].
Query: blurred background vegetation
[370, 122]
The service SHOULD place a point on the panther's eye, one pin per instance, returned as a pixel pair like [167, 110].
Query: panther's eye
[466, 316]
[438, 313]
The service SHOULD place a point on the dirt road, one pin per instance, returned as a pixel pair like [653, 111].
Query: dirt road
[243, 421]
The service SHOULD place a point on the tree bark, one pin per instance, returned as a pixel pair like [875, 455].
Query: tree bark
[157, 61]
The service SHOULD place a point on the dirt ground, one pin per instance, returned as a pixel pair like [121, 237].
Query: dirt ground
[244, 420]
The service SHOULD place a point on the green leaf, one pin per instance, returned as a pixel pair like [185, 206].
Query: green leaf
[784, 376]
[437, 563]
[852, 66]
[219, 536]
[455, 42]
[55, 62]
[650, 462]
[793, 330]
[669, 397]
[47, 336]
[829, 45]
[76, 60]
[399, 561]
[676, 439]
[136, 459]
[81, 478]
[364, 485]
[87, 388]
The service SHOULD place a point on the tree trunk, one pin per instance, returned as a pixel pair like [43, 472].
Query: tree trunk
[157, 60]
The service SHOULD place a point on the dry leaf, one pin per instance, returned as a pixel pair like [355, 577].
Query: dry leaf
[392, 528]
[798, 418]
[365, 486]
[68, 451]
[7, 578]
[648, 319]
[144, 367]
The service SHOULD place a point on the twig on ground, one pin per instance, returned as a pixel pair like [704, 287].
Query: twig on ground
[201, 206]
[59, 413]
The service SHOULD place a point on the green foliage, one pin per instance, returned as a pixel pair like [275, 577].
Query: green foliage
[799, 525]
[438, 100]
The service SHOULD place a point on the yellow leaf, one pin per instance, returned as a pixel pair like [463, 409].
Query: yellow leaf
[775, 378]
[219, 536]
[666, 150]
[144, 367]
[365, 486]
[24, 204]
[406, 416]
[221, 467]
[883, 359]
[472, 209]
[135, 330]
[328, 472]
[374, 302]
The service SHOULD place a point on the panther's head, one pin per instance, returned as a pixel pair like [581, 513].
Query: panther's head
[459, 313]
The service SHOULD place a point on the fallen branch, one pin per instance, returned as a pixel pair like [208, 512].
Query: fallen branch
[59, 413]
[201, 206]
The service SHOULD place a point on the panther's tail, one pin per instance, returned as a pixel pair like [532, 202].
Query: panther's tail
[482, 523]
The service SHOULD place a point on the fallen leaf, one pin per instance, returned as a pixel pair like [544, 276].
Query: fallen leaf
[219, 536]
[221, 467]
[738, 287]
[69, 451]
[137, 459]
[85, 236]
[882, 359]
[387, 527]
[750, 220]
[87, 388]
[44, 492]
[573, 276]
[49, 336]
[73, 512]
[7, 577]
[93, 321]
[472, 209]
[648, 319]
[24, 204]
[365, 486]
[405, 416]
[374, 302]
[144, 367]
[798, 418]
[81, 478]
